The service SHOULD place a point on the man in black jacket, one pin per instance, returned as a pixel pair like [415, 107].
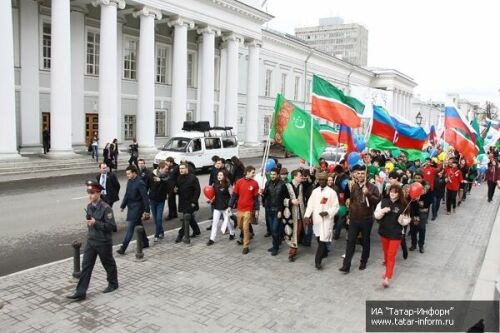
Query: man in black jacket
[188, 189]
[143, 172]
[100, 224]
[419, 212]
[109, 183]
[272, 200]
[137, 201]
[173, 173]
[158, 184]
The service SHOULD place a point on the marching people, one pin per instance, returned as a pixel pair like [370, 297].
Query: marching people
[46, 140]
[107, 154]
[438, 193]
[364, 197]
[188, 189]
[220, 204]
[100, 224]
[321, 207]
[453, 180]
[341, 187]
[492, 178]
[158, 184]
[137, 203]
[219, 165]
[109, 183]
[272, 200]
[420, 215]
[144, 172]
[173, 173]
[464, 185]
[115, 154]
[95, 146]
[391, 215]
[245, 198]
[133, 150]
[293, 213]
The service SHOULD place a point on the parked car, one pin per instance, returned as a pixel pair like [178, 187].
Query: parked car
[277, 150]
[333, 154]
[198, 147]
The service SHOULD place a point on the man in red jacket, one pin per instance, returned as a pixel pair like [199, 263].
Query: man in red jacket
[453, 180]
[246, 195]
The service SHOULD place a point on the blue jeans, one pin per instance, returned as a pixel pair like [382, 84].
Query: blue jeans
[274, 224]
[436, 202]
[157, 211]
[130, 233]
[94, 152]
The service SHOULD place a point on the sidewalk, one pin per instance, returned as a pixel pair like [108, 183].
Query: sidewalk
[197, 288]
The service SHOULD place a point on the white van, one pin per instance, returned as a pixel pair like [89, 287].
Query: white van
[198, 147]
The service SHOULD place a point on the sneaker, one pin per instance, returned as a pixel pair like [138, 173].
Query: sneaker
[162, 236]
[271, 249]
[245, 250]
[274, 252]
[239, 241]
[231, 237]
[210, 242]
[156, 240]
[362, 266]
[178, 239]
[120, 251]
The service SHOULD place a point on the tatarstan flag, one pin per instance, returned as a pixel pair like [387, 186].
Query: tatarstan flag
[292, 129]
[330, 103]
[477, 135]
[330, 134]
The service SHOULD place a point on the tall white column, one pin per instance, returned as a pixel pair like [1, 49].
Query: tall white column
[231, 104]
[78, 40]
[199, 78]
[146, 81]
[222, 91]
[108, 90]
[30, 94]
[119, 70]
[60, 80]
[179, 73]
[8, 140]
[252, 126]
[207, 74]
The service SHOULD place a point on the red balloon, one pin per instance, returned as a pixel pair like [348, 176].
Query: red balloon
[209, 192]
[331, 168]
[416, 190]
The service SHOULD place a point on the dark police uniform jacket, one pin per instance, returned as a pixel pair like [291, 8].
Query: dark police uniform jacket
[101, 232]
[135, 199]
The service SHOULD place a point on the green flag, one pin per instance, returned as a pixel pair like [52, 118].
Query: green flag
[477, 134]
[292, 129]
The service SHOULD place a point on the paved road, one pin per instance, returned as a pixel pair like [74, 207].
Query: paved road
[197, 288]
[40, 218]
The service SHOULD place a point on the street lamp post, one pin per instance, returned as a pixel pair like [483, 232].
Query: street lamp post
[419, 118]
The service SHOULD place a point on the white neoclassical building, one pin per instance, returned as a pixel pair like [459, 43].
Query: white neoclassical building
[139, 68]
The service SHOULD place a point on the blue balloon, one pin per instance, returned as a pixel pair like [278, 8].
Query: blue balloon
[360, 145]
[433, 152]
[353, 158]
[489, 137]
[270, 164]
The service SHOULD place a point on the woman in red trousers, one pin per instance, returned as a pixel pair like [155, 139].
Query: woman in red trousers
[390, 213]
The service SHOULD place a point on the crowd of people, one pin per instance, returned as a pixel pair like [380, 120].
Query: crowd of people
[324, 202]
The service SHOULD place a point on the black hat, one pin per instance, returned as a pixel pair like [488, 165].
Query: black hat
[94, 186]
[358, 167]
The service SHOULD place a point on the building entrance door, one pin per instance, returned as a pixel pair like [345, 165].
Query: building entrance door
[91, 126]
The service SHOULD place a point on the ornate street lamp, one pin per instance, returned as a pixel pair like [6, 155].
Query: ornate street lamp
[419, 118]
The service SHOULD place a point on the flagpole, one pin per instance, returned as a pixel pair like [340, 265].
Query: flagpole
[305, 93]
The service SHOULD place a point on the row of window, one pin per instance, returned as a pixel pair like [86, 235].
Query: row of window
[284, 79]
[130, 47]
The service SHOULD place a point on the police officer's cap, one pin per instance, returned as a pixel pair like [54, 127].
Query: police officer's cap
[94, 186]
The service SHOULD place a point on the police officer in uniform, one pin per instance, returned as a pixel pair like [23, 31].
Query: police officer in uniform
[101, 224]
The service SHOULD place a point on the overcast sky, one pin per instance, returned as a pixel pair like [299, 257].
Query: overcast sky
[444, 45]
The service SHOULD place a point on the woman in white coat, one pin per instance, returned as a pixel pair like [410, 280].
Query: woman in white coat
[322, 205]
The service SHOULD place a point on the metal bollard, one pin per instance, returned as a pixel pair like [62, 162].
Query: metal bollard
[76, 258]
[139, 231]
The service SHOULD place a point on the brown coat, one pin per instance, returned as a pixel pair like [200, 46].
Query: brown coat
[358, 208]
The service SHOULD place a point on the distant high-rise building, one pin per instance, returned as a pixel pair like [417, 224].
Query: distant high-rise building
[348, 42]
